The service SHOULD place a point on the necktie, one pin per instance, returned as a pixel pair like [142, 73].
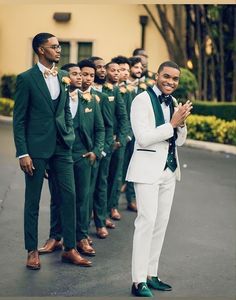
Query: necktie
[165, 98]
[48, 72]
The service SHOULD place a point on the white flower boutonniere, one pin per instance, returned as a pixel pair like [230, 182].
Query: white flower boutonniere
[123, 90]
[143, 86]
[87, 97]
[108, 85]
[66, 80]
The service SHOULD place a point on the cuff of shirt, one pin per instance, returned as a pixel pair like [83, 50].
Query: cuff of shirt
[24, 155]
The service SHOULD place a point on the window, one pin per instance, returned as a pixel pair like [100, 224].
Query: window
[84, 50]
[65, 54]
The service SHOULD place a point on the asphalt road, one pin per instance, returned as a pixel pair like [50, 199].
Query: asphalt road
[198, 257]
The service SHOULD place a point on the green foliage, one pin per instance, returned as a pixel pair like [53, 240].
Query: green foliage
[187, 85]
[6, 106]
[8, 85]
[211, 129]
[222, 110]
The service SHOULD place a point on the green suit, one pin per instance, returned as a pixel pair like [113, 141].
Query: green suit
[89, 137]
[119, 119]
[43, 129]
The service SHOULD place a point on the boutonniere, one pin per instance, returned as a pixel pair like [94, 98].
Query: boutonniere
[108, 85]
[66, 80]
[143, 86]
[123, 90]
[150, 82]
[87, 97]
[130, 88]
[97, 98]
[175, 102]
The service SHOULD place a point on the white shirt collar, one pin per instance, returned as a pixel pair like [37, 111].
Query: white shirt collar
[156, 90]
[42, 68]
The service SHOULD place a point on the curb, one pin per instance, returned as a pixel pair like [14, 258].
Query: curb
[215, 147]
[5, 119]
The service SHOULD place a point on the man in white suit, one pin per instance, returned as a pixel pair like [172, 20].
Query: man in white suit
[158, 123]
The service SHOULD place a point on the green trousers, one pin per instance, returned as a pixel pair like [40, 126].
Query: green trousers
[115, 178]
[100, 192]
[61, 166]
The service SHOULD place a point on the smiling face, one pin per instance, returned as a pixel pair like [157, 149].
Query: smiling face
[113, 73]
[167, 80]
[50, 51]
[136, 70]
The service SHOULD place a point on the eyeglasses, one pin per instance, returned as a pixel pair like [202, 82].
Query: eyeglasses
[54, 47]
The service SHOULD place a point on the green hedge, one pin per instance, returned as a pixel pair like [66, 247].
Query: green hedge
[8, 85]
[211, 129]
[225, 111]
[6, 106]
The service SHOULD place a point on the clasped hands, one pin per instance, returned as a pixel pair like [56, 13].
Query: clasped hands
[182, 111]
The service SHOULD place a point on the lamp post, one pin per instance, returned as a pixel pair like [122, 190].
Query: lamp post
[143, 20]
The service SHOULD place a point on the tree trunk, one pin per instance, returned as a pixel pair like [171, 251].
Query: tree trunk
[222, 64]
[234, 61]
[199, 45]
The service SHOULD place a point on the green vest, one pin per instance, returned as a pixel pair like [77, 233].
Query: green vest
[171, 162]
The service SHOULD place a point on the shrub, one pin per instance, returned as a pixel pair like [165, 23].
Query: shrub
[222, 110]
[8, 86]
[209, 128]
[187, 86]
[6, 106]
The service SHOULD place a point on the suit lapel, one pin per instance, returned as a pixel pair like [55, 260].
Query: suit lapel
[63, 92]
[42, 86]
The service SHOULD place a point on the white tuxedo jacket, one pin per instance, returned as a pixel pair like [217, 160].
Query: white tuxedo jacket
[151, 148]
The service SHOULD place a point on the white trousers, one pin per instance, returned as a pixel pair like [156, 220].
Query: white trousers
[154, 204]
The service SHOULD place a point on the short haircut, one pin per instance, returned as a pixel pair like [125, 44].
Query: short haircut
[134, 60]
[137, 51]
[40, 39]
[87, 63]
[94, 58]
[169, 64]
[110, 63]
[67, 67]
[120, 60]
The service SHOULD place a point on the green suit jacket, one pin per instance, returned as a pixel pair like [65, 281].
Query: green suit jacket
[36, 123]
[89, 128]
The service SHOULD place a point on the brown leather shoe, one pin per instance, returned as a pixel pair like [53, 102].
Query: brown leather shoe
[102, 232]
[109, 224]
[132, 206]
[33, 262]
[73, 257]
[84, 248]
[90, 241]
[115, 215]
[50, 246]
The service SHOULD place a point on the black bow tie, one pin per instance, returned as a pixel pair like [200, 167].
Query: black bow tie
[165, 98]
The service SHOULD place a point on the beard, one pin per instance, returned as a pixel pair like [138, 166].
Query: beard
[136, 76]
[99, 80]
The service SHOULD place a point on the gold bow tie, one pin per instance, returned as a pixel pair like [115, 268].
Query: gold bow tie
[74, 95]
[48, 72]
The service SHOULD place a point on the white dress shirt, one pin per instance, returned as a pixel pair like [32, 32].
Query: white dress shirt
[51, 81]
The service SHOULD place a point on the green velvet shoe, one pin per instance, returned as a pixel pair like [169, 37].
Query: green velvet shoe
[157, 284]
[141, 291]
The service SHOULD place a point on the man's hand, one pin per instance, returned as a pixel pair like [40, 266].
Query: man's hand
[181, 113]
[26, 165]
[91, 157]
[116, 145]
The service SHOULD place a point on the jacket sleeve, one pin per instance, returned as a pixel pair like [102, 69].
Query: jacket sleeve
[122, 118]
[22, 99]
[99, 131]
[108, 123]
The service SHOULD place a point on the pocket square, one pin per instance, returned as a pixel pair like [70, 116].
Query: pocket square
[87, 110]
[111, 98]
